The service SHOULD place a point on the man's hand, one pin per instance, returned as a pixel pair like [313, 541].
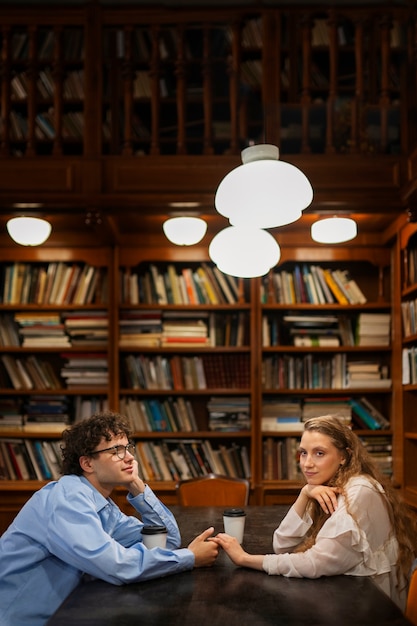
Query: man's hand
[205, 552]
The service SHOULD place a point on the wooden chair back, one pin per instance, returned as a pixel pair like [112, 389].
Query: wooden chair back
[411, 608]
[213, 490]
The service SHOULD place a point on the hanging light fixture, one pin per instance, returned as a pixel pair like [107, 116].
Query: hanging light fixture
[263, 192]
[29, 231]
[184, 231]
[334, 230]
[244, 251]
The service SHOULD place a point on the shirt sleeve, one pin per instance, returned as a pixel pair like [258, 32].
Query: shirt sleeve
[101, 543]
[341, 545]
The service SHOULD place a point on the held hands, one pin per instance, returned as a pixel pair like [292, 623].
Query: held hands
[236, 553]
[205, 552]
[325, 496]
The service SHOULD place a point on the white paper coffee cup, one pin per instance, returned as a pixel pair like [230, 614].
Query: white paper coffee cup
[154, 536]
[234, 523]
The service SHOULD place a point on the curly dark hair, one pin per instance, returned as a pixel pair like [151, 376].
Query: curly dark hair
[82, 438]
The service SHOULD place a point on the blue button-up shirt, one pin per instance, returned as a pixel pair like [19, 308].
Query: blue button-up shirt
[68, 529]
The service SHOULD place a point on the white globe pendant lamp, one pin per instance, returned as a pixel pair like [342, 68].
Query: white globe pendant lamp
[29, 231]
[184, 231]
[263, 192]
[244, 251]
[334, 230]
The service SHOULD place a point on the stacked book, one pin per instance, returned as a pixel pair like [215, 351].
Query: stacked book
[373, 329]
[87, 328]
[380, 449]
[46, 413]
[338, 407]
[229, 414]
[185, 330]
[281, 415]
[367, 374]
[140, 328]
[41, 330]
[85, 369]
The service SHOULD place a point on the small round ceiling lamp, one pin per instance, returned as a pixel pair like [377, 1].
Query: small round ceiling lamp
[185, 231]
[244, 252]
[263, 192]
[29, 231]
[334, 230]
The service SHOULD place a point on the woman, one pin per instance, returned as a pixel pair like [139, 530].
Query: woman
[347, 519]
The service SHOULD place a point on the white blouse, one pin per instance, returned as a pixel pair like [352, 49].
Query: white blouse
[365, 547]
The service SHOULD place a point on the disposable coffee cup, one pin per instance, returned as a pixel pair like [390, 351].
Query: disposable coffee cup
[234, 523]
[154, 536]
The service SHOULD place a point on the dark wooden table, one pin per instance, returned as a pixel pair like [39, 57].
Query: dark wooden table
[225, 595]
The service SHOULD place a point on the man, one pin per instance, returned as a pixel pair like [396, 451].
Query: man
[71, 527]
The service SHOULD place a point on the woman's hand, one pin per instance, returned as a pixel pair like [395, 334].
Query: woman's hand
[326, 496]
[236, 553]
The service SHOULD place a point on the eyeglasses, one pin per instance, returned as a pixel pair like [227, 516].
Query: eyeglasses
[119, 451]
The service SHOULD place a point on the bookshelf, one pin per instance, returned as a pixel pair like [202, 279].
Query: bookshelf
[174, 395]
[315, 359]
[186, 368]
[408, 387]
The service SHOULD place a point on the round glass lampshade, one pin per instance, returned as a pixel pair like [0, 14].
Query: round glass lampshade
[185, 231]
[263, 192]
[334, 230]
[244, 252]
[29, 231]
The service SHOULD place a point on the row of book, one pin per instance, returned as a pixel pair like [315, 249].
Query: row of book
[211, 371]
[54, 330]
[181, 459]
[284, 415]
[29, 459]
[225, 414]
[71, 128]
[182, 329]
[312, 284]
[409, 365]
[70, 370]
[169, 285]
[280, 459]
[52, 283]
[154, 415]
[409, 317]
[72, 44]
[48, 413]
[313, 371]
[73, 85]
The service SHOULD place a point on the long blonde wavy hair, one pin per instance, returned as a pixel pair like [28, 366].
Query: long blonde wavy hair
[358, 462]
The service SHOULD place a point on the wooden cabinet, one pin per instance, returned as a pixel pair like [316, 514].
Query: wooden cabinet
[93, 81]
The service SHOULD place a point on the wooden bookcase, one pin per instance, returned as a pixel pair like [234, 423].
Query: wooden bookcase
[372, 267]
